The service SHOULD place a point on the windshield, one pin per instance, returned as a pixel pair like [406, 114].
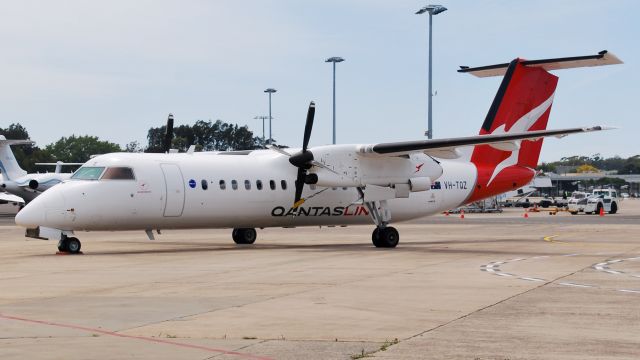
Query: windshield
[118, 173]
[578, 196]
[600, 193]
[88, 173]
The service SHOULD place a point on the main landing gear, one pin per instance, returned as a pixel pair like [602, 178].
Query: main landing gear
[69, 245]
[383, 236]
[244, 235]
[386, 237]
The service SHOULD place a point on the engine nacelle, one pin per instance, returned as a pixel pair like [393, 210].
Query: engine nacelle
[419, 184]
[33, 184]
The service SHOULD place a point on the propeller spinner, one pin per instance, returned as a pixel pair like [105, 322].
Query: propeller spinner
[303, 160]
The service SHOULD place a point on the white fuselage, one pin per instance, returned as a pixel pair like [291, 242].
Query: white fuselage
[168, 193]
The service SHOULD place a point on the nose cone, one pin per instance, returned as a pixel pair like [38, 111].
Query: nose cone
[30, 216]
[36, 212]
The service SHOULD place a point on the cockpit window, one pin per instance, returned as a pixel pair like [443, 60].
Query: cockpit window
[88, 173]
[118, 173]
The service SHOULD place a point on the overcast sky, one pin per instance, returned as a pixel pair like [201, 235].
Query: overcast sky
[114, 68]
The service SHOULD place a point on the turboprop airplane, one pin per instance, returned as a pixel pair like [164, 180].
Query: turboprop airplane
[329, 185]
[16, 181]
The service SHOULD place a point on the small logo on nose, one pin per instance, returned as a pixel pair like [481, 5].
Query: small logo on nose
[418, 167]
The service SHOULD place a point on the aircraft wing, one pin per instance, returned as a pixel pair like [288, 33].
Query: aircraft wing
[447, 148]
[10, 198]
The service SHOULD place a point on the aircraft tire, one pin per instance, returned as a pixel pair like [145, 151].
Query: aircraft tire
[244, 236]
[385, 238]
[375, 237]
[63, 245]
[73, 245]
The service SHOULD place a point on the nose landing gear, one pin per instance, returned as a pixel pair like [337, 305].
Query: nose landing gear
[69, 245]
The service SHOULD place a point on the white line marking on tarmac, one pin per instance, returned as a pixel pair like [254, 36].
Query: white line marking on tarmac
[494, 268]
[576, 285]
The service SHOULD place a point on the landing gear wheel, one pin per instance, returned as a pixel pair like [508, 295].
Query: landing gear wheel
[63, 245]
[614, 208]
[73, 245]
[385, 237]
[244, 235]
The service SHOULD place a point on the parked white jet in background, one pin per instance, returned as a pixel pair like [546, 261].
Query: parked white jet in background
[16, 181]
[329, 185]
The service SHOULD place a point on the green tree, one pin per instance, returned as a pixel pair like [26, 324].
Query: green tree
[206, 135]
[80, 148]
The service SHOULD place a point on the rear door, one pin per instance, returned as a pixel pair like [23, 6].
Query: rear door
[174, 182]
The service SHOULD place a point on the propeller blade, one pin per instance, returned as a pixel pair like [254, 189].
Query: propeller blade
[299, 186]
[308, 126]
[168, 135]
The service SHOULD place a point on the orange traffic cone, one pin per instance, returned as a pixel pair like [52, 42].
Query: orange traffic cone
[602, 211]
[446, 213]
[526, 214]
[461, 213]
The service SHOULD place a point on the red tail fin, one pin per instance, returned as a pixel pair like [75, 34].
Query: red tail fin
[523, 103]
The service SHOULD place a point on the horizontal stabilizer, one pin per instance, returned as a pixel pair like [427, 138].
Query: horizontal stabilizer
[602, 58]
[4, 141]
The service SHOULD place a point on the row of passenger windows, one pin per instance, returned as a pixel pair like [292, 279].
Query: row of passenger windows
[247, 184]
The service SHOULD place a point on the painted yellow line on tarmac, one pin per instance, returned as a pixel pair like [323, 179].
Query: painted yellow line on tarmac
[550, 238]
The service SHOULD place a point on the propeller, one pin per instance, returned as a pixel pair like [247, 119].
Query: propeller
[168, 135]
[303, 159]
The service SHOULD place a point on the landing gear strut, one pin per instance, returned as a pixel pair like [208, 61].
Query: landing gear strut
[383, 236]
[244, 235]
[69, 244]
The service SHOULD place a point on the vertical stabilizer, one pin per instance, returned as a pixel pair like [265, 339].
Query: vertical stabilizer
[8, 163]
[522, 104]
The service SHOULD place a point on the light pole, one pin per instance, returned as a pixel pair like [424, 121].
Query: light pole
[432, 10]
[262, 117]
[334, 60]
[270, 91]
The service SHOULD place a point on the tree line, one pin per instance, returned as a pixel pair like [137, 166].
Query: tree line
[206, 135]
[595, 163]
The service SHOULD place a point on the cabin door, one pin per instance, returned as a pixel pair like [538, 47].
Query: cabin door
[174, 199]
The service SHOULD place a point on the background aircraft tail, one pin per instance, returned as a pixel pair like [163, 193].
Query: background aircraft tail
[8, 163]
[522, 103]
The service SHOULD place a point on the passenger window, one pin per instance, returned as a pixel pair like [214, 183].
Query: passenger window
[204, 184]
[247, 184]
[118, 173]
[234, 185]
[222, 185]
[259, 184]
[272, 184]
[283, 184]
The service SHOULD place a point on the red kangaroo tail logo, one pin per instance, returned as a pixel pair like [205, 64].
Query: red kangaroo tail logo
[523, 103]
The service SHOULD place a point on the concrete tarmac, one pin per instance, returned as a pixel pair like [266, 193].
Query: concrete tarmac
[490, 286]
